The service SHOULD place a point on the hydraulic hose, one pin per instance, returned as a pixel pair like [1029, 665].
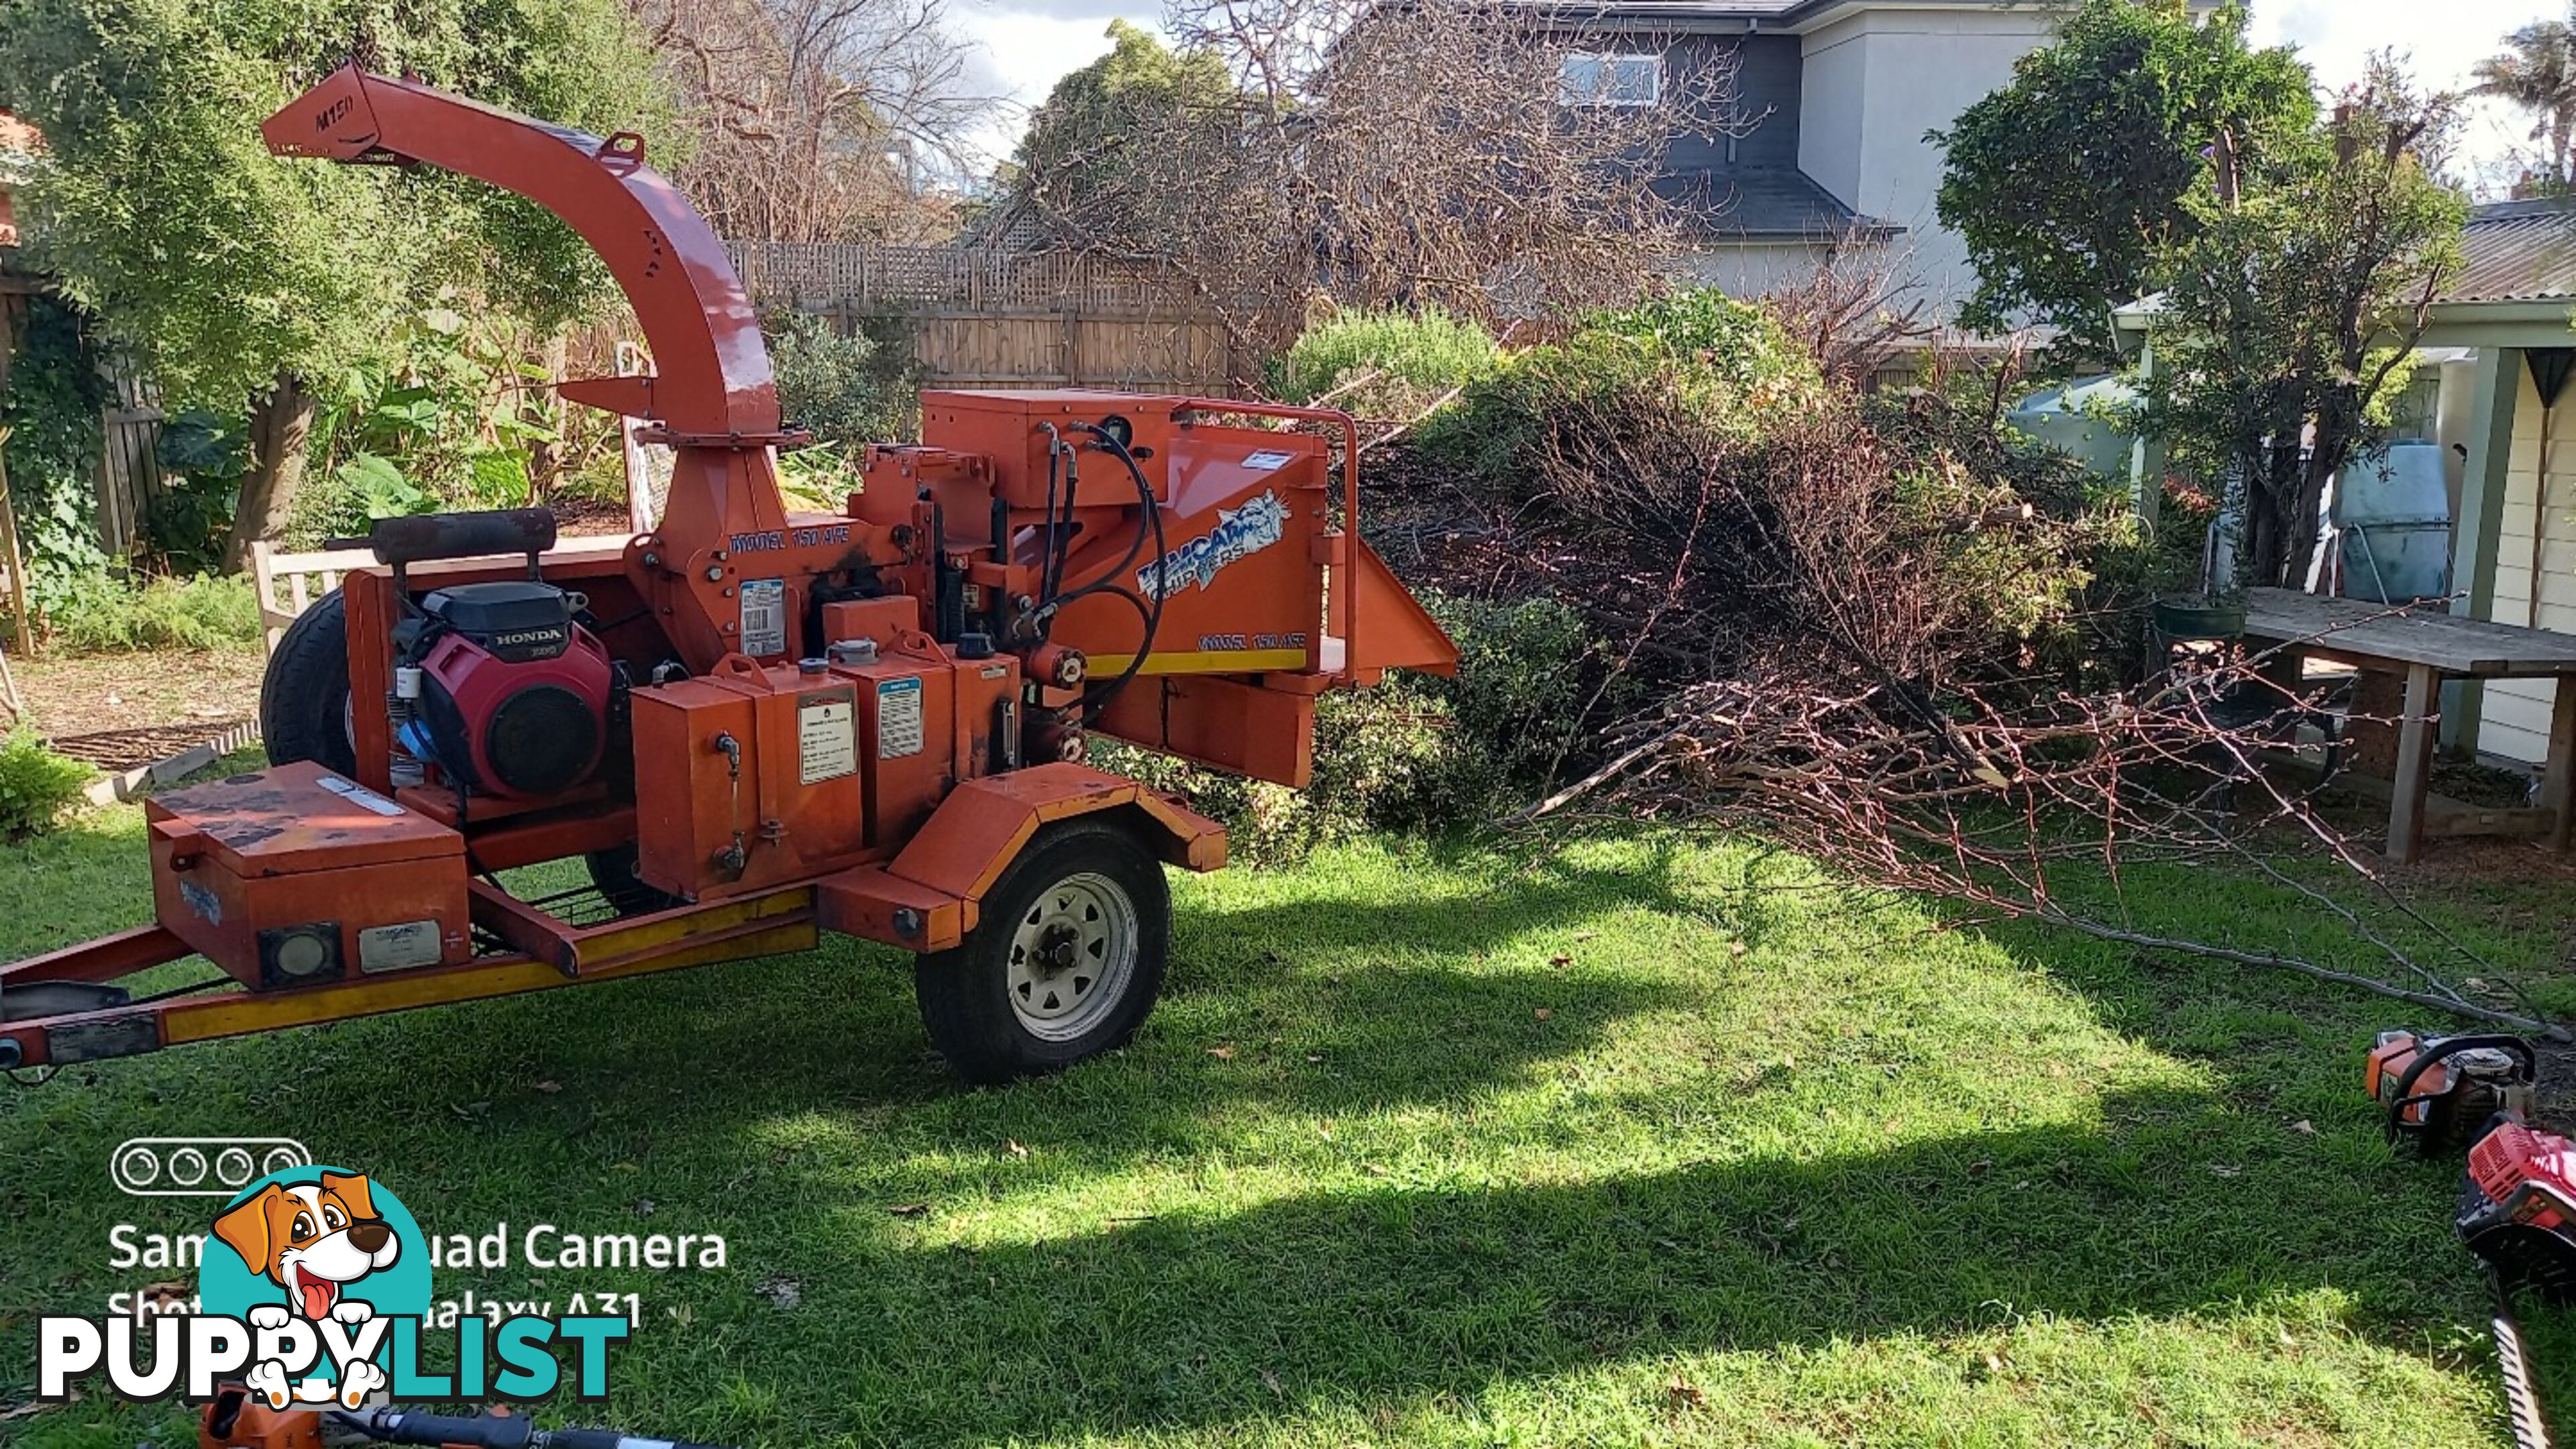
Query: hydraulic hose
[1094, 701]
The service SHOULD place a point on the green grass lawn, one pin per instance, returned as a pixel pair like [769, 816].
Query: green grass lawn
[1425, 1146]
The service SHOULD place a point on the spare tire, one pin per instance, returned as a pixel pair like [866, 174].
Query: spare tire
[304, 696]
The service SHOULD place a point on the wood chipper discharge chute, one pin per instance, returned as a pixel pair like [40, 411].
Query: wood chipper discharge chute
[751, 724]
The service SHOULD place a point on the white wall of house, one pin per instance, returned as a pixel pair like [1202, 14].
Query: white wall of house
[2515, 722]
[1876, 81]
[1753, 268]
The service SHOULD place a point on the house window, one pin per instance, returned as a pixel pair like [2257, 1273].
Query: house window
[1591, 78]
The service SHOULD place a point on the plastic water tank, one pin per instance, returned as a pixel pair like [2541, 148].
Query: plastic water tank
[2394, 513]
[2067, 418]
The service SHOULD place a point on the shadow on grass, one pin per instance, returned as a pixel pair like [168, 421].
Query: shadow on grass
[1357, 1007]
[1386, 1293]
[791, 1103]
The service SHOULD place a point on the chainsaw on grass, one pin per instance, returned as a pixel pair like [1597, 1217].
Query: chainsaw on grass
[237, 1419]
[2440, 1092]
[2517, 1205]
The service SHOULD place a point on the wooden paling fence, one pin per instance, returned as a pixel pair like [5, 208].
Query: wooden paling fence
[130, 480]
[982, 317]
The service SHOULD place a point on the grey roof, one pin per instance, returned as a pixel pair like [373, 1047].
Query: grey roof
[1738, 15]
[1687, 14]
[2518, 251]
[1765, 202]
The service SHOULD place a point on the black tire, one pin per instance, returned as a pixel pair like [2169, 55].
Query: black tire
[990, 1018]
[613, 871]
[304, 696]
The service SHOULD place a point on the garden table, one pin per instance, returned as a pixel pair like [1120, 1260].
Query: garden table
[2425, 647]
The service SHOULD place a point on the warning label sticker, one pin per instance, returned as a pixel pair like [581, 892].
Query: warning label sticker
[898, 718]
[827, 737]
[396, 948]
[1267, 460]
[764, 617]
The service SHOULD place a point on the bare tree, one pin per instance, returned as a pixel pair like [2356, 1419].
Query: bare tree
[814, 120]
[1858, 311]
[1449, 153]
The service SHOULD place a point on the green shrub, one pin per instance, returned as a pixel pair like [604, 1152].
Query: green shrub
[1727, 364]
[1383, 364]
[849, 389]
[1730, 344]
[104, 614]
[357, 489]
[1416, 753]
[51, 409]
[203, 458]
[36, 785]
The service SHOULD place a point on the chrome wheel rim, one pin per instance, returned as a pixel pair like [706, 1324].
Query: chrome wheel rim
[1073, 952]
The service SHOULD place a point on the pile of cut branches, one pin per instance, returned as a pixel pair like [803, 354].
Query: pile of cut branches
[1874, 632]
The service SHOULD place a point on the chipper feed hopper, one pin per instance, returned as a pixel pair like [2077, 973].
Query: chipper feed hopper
[753, 725]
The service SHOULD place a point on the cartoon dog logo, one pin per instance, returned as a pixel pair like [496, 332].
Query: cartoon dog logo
[314, 1240]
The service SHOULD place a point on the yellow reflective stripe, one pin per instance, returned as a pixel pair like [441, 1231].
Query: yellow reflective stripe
[1200, 661]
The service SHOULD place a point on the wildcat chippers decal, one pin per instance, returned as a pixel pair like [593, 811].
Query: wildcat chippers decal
[314, 1288]
[1239, 533]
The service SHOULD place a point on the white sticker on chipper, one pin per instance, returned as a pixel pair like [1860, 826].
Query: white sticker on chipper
[398, 947]
[359, 795]
[764, 617]
[827, 737]
[1268, 460]
[898, 718]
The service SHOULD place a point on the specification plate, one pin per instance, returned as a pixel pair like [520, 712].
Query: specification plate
[898, 718]
[764, 617]
[827, 737]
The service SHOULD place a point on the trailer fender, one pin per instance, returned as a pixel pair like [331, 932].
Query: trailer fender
[927, 897]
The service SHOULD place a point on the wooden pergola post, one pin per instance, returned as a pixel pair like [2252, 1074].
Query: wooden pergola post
[14, 558]
[21, 599]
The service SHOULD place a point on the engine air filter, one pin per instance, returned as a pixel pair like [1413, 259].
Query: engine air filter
[542, 739]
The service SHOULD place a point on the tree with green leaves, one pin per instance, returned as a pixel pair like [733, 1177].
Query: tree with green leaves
[236, 279]
[2536, 74]
[2307, 277]
[1080, 164]
[2069, 183]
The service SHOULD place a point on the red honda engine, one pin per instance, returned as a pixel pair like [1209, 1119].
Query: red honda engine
[514, 695]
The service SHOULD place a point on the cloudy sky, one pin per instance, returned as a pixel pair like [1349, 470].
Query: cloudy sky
[1025, 46]
[2443, 40]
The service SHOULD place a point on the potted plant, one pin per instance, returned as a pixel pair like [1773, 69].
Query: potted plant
[2215, 612]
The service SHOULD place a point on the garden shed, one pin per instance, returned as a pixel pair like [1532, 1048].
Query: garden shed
[2511, 422]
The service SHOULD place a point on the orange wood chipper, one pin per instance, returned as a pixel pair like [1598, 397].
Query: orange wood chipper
[753, 725]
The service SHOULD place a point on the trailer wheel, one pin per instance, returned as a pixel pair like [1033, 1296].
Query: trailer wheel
[304, 696]
[1065, 964]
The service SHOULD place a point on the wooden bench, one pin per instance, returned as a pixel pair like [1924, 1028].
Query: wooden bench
[289, 583]
[307, 576]
[2425, 648]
